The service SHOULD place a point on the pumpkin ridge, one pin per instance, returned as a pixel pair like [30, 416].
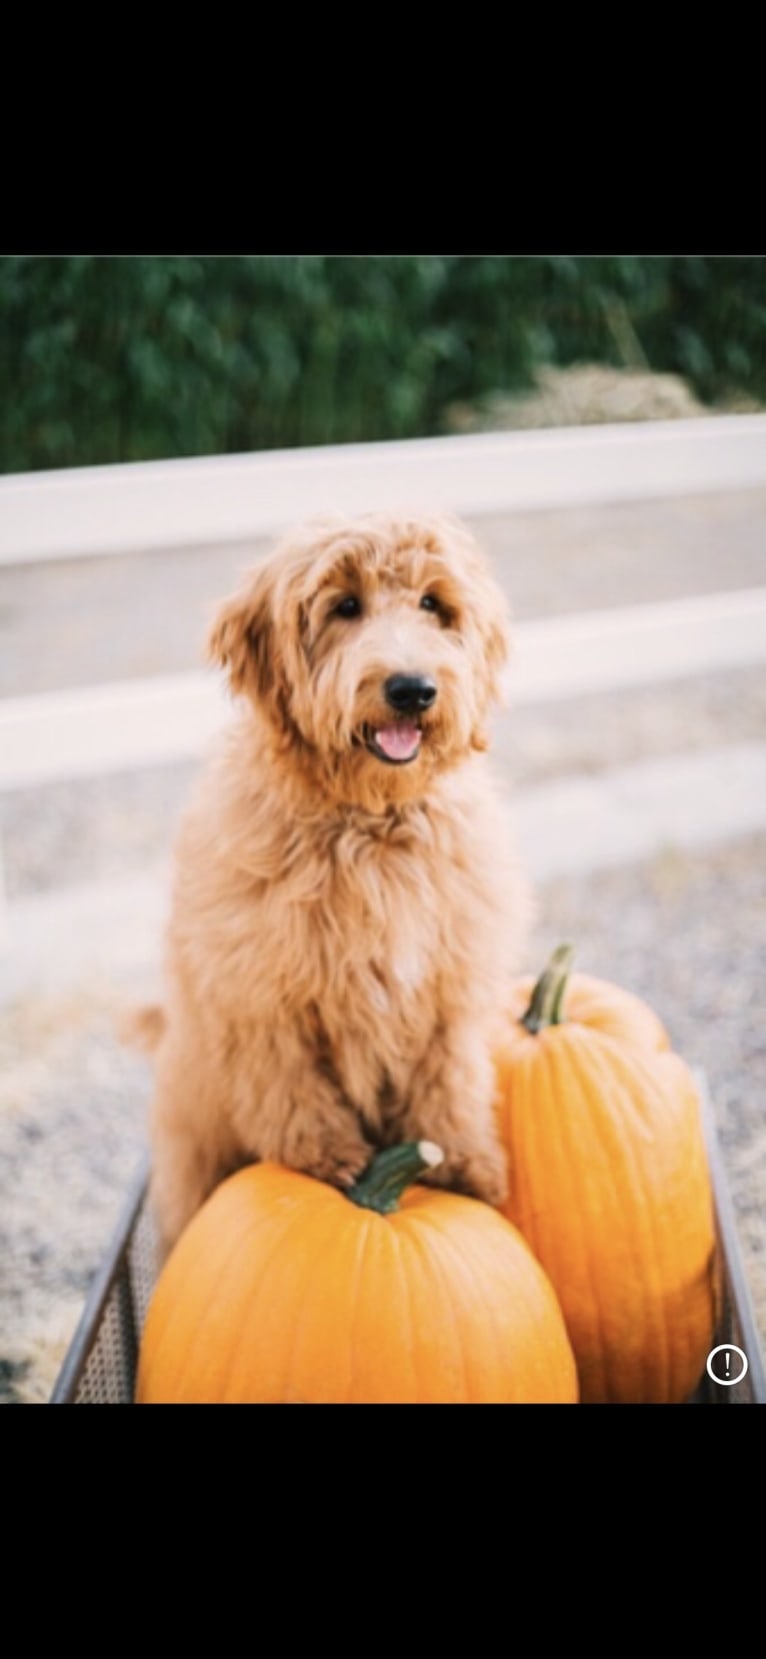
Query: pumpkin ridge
[660, 1356]
[362, 1252]
[228, 1273]
[328, 1212]
[552, 1065]
[630, 1060]
[536, 1113]
[657, 1232]
[676, 1344]
[677, 1082]
[643, 1206]
[405, 1299]
[416, 1236]
[523, 1291]
[321, 1308]
[574, 1066]
[473, 1283]
[538, 1108]
[225, 1268]
[598, 996]
[381, 1261]
[586, 1059]
[175, 1304]
[658, 1352]
[471, 1259]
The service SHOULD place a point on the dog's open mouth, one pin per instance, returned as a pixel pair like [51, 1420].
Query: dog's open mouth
[396, 744]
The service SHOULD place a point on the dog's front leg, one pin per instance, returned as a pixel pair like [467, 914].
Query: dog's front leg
[450, 1102]
[295, 1113]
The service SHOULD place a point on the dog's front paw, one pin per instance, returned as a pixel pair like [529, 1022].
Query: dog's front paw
[480, 1174]
[336, 1157]
[342, 1170]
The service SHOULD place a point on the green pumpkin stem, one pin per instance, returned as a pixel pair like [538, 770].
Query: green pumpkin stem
[390, 1172]
[548, 995]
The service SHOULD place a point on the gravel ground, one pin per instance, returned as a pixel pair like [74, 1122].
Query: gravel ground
[94, 829]
[72, 1112]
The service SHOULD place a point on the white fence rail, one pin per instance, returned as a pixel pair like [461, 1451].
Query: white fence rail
[143, 506]
[135, 723]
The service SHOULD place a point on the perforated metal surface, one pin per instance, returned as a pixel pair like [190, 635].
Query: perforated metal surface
[142, 1264]
[107, 1379]
[100, 1368]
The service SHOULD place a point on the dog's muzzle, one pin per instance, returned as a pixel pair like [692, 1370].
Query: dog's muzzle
[397, 743]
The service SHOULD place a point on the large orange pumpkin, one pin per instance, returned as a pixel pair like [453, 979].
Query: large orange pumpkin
[591, 1002]
[609, 1183]
[281, 1290]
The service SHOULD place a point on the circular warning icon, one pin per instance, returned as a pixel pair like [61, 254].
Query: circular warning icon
[727, 1369]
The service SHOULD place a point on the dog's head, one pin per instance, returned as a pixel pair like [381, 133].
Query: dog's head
[374, 646]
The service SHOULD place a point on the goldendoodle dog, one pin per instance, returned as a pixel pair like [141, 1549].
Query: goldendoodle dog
[347, 909]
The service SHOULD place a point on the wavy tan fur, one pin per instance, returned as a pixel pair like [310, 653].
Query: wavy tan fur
[343, 931]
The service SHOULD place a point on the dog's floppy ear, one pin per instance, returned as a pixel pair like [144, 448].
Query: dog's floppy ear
[497, 649]
[240, 639]
[489, 620]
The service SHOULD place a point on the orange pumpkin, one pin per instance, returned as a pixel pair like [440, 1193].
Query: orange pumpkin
[281, 1290]
[609, 1183]
[595, 1003]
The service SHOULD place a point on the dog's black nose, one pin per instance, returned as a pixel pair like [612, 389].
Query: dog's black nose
[409, 693]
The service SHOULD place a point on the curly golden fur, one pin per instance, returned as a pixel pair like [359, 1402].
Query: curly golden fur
[347, 909]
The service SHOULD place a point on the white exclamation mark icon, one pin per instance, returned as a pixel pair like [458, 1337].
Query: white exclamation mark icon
[714, 1367]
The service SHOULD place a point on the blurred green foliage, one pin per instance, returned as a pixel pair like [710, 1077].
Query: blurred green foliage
[141, 357]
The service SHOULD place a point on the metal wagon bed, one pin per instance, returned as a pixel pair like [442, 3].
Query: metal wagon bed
[100, 1366]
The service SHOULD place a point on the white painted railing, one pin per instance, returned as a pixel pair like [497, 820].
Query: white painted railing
[135, 723]
[145, 506]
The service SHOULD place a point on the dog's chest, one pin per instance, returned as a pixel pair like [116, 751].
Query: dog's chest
[407, 944]
[397, 918]
[391, 919]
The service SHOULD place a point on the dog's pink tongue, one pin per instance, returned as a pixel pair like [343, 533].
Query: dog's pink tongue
[399, 742]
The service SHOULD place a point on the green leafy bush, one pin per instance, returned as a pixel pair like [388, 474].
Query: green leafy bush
[134, 358]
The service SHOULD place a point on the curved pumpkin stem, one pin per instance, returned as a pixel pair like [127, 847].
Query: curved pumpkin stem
[390, 1172]
[548, 995]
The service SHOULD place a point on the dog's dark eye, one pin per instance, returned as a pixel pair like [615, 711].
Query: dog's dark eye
[432, 602]
[348, 607]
